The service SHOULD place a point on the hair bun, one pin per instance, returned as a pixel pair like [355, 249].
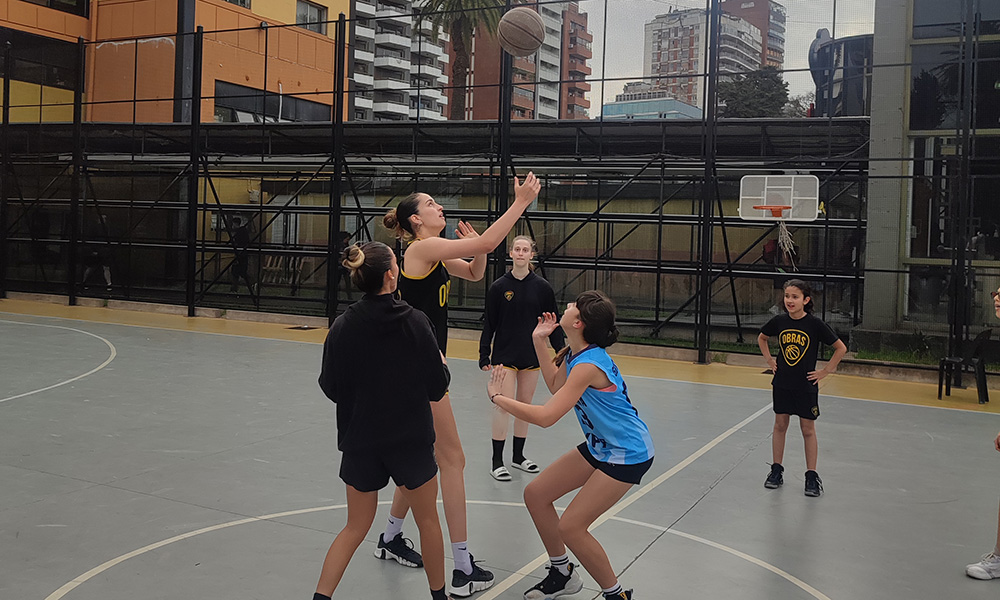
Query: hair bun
[354, 257]
[390, 221]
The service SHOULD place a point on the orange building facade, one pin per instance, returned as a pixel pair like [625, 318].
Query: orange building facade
[139, 70]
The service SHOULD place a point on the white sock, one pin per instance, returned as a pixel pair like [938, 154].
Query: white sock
[561, 563]
[460, 550]
[393, 528]
[611, 591]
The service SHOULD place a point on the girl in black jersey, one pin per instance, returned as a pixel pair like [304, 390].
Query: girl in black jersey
[425, 272]
[384, 424]
[795, 383]
[513, 304]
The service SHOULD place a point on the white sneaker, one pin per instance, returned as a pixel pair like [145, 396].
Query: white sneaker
[987, 568]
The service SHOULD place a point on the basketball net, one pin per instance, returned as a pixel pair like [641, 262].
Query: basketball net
[786, 243]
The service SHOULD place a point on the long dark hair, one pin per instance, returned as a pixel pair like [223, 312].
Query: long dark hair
[368, 263]
[597, 312]
[804, 288]
[397, 220]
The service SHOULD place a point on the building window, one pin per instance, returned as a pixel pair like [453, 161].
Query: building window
[243, 3]
[936, 76]
[311, 16]
[75, 7]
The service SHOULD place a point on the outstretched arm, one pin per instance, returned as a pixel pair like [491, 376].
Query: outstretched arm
[554, 376]
[546, 415]
[431, 250]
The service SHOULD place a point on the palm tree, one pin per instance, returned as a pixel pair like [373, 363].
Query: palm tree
[460, 18]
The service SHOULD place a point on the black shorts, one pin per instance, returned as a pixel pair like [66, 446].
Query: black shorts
[624, 473]
[370, 471]
[802, 403]
[532, 366]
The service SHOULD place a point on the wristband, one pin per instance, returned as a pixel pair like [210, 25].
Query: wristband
[494, 396]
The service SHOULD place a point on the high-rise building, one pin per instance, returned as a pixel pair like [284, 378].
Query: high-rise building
[769, 17]
[674, 48]
[399, 68]
[549, 84]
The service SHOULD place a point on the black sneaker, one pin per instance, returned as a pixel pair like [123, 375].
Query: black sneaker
[555, 584]
[463, 585]
[399, 549]
[814, 485]
[774, 479]
[623, 595]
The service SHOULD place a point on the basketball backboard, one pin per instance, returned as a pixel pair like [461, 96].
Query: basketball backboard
[779, 197]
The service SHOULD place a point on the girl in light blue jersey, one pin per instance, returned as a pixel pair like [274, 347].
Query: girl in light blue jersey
[616, 454]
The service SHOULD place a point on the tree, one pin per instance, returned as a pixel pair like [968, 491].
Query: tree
[761, 93]
[798, 105]
[460, 18]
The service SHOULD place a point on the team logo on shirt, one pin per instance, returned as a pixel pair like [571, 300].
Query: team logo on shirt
[509, 295]
[794, 344]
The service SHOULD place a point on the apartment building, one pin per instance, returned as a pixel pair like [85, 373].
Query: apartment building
[549, 84]
[674, 49]
[400, 68]
[770, 18]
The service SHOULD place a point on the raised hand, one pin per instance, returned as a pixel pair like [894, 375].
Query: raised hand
[528, 191]
[466, 231]
[495, 383]
[547, 323]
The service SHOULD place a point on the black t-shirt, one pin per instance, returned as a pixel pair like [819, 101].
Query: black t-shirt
[512, 309]
[799, 341]
[429, 295]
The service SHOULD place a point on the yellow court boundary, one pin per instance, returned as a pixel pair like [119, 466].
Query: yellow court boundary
[846, 386]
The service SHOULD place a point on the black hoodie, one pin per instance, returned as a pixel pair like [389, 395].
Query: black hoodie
[382, 366]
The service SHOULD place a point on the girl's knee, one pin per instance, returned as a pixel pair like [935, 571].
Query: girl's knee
[451, 460]
[571, 531]
[781, 426]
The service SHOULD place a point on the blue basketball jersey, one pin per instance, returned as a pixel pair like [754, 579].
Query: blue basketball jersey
[615, 433]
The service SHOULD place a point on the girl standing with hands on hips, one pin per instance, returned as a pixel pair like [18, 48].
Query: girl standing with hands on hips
[425, 281]
[616, 454]
[513, 304]
[795, 383]
[384, 424]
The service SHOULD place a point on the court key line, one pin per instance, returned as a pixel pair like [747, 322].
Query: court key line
[527, 569]
[114, 353]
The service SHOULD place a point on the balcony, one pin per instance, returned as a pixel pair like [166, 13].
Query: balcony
[362, 102]
[433, 71]
[392, 40]
[365, 8]
[392, 62]
[387, 13]
[391, 84]
[364, 56]
[364, 33]
[428, 114]
[364, 79]
[391, 108]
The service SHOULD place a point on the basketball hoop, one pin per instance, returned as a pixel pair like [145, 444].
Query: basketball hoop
[776, 209]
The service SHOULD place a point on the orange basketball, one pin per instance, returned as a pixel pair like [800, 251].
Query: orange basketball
[521, 31]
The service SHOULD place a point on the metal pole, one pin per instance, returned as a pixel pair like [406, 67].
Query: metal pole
[332, 261]
[708, 187]
[192, 188]
[506, 164]
[75, 187]
[6, 170]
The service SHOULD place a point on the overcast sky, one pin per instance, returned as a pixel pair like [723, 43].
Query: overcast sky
[625, 20]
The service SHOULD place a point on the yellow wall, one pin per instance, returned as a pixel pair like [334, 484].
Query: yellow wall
[34, 103]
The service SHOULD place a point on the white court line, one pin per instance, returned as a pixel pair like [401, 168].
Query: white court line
[783, 574]
[114, 353]
[527, 569]
[62, 591]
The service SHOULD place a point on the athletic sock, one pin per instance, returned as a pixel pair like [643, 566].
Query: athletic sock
[561, 563]
[497, 454]
[460, 550]
[438, 594]
[612, 591]
[519, 449]
[393, 528]
[319, 596]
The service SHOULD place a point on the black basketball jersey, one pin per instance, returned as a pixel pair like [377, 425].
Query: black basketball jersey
[429, 294]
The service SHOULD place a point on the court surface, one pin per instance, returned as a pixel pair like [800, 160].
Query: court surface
[154, 456]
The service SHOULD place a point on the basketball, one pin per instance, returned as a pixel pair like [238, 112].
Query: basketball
[521, 31]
